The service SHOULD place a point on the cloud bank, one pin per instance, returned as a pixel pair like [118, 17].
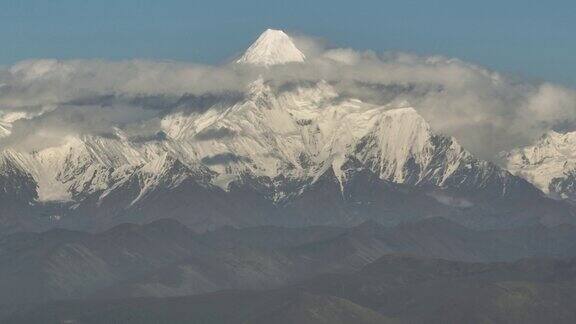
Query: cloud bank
[47, 100]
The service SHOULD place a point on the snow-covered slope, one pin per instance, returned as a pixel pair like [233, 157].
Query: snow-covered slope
[271, 48]
[16, 183]
[550, 163]
[88, 165]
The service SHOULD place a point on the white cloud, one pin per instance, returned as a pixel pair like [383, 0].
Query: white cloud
[486, 111]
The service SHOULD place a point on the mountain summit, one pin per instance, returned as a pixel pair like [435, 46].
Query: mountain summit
[271, 48]
[549, 163]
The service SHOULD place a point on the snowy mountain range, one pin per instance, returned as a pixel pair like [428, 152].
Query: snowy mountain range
[290, 155]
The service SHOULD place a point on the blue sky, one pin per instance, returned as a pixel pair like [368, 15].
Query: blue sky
[533, 39]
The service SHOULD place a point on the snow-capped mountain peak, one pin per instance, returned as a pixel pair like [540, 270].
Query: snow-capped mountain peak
[271, 48]
[548, 163]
